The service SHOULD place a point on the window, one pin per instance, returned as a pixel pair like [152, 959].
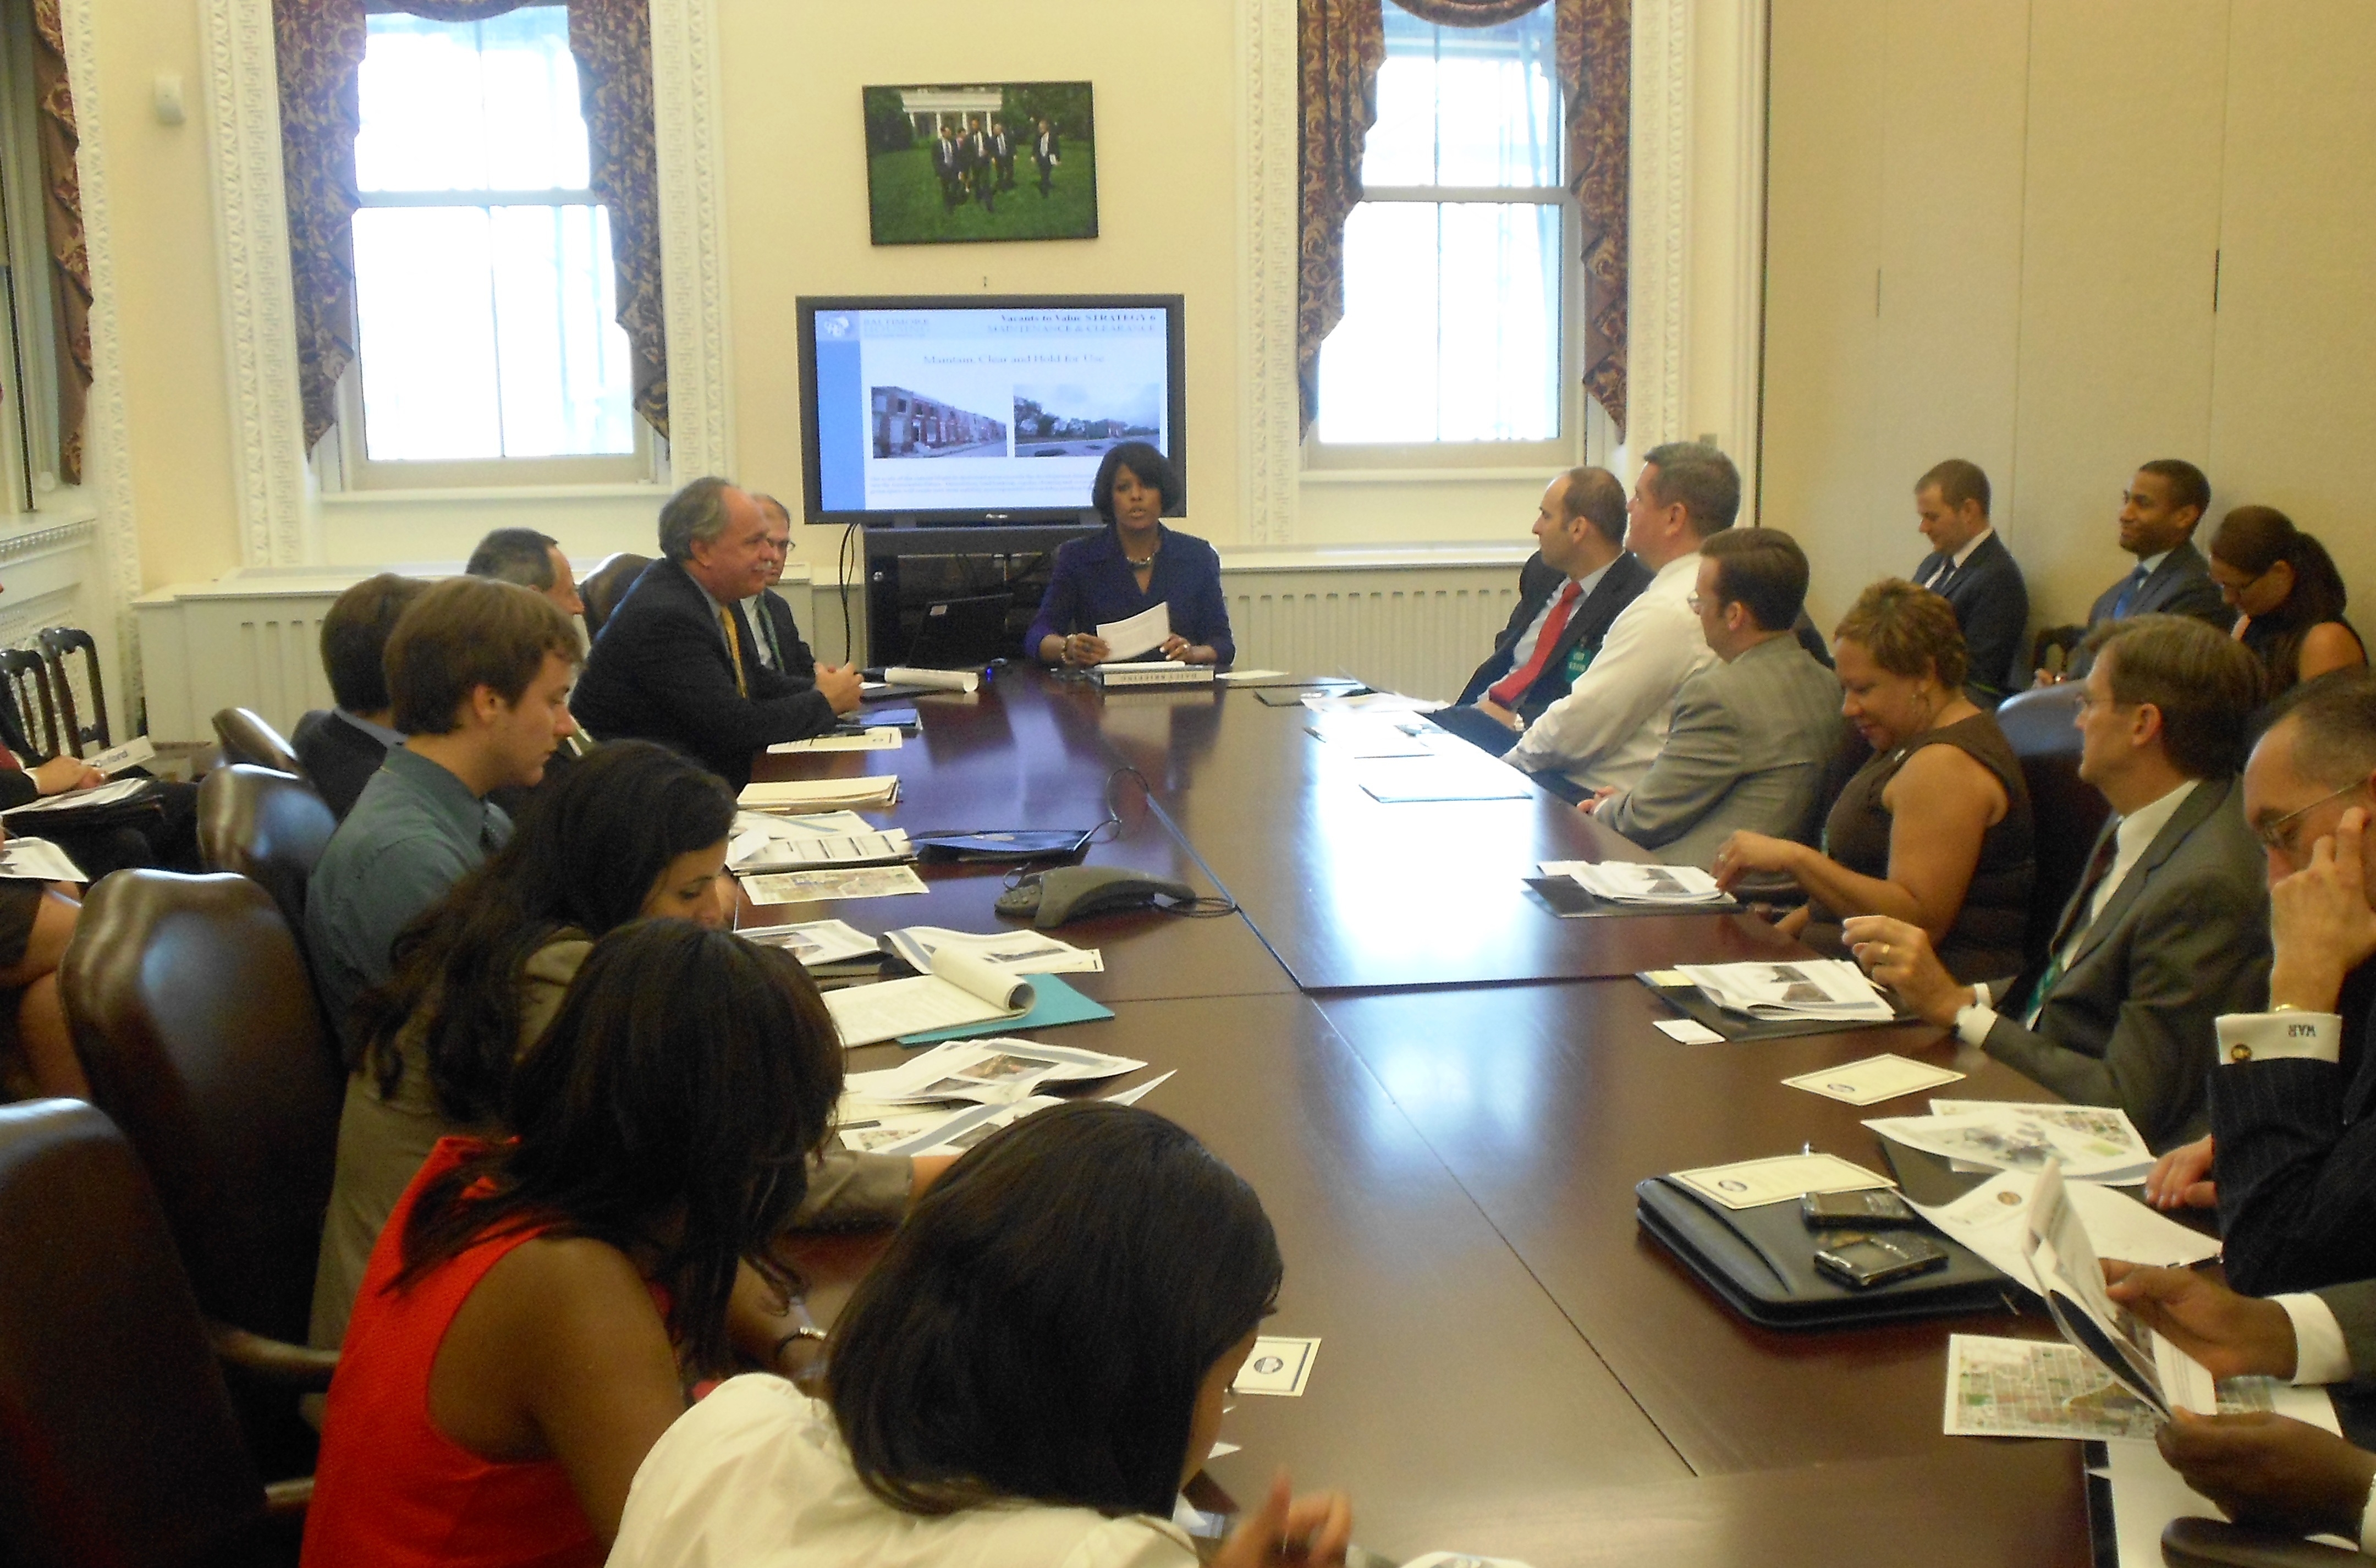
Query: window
[484, 288]
[1453, 346]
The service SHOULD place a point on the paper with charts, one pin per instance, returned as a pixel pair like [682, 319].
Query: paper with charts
[850, 882]
[2092, 1143]
[2046, 1388]
[1751, 1183]
[1277, 1364]
[1873, 1080]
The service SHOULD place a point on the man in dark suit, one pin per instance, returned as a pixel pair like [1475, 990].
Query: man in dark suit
[776, 637]
[2167, 929]
[948, 167]
[1569, 591]
[2159, 513]
[674, 662]
[1046, 153]
[981, 174]
[531, 559]
[1971, 569]
[343, 746]
[1001, 153]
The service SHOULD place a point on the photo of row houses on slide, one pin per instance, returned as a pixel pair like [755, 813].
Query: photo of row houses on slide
[909, 424]
[1078, 421]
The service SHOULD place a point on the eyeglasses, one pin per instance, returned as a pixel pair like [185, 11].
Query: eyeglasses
[2278, 836]
[2089, 702]
[1694, 603]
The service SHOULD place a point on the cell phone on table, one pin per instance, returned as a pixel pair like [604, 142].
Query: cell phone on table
[1875, 1208]
[1862, 1262]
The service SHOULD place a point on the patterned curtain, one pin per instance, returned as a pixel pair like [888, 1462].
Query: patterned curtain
[62, 226]
[320, 45]
[1343, 44]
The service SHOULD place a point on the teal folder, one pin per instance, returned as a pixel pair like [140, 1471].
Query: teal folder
[1053, 1001]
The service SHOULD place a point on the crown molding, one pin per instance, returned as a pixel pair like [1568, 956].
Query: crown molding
[1270, 263]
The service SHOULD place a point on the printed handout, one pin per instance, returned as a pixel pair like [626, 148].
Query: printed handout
[877, 738]
[1137, 636]
[82, 800]
[815, 942]
[1751, 1183]
[761, 852]
[1622, 882]
[37, 859]
[2097, 1145]
[1993, 1220]
[872, 791]
[1873, 1080]
[810, 886]
[1803, 988]
[2063, 1261]
[992, 1071]
[1017, 952]
[1277, 1364]
[2046, 1388]
[961, 989]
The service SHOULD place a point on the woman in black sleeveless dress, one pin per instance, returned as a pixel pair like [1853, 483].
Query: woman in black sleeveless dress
[1936, 828]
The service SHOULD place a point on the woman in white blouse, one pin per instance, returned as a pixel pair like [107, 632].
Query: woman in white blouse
[1028, 1377]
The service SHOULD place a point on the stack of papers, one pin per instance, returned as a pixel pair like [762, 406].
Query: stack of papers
[938, 1129]
[876, 737]
[982, 1071]
[1808, 988]
[1621, 881]
[816, 942]
[831, 881]
[752, 850]
[873, 792]
[1017, 952]
[2091, 1142]
[960, 989]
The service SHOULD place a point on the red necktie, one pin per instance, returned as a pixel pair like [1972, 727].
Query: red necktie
[1511, 687]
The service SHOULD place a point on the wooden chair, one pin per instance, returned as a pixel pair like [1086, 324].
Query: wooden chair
[2040, 723]
[27, 676]
[606, 584]
[245, 737]
[118, 1441]
[59, 644]
[195, 1021]
[267, 826]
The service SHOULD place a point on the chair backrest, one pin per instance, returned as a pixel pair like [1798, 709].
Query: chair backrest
[607, 583]
[2051, 640]
[2068, 811]
[196, 1022]
[267, 826]
[59, 644]
[245, 737]
[27, 677]
[118, 1443]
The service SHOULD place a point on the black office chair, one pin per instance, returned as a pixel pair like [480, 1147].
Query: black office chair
[2068, 813]
[606, 584]
[59, 644]
[265, 825]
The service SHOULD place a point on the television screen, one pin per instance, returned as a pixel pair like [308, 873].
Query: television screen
[981, 410]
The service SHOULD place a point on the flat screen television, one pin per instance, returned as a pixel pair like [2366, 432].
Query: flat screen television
[979, 410]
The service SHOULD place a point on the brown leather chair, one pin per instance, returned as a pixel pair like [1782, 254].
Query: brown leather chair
[59, 644]
[606, 584]
[2041, 725]
[195, 1021]
[267, 826]
[118, 1441]
[245, 737]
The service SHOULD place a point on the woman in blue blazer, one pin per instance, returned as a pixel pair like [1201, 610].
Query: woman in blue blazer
[1133, 566]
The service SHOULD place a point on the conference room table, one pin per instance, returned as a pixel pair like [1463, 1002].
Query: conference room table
[1446, 1095]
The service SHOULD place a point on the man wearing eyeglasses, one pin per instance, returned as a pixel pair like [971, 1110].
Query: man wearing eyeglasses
[2290, 1117]
[2168, 928]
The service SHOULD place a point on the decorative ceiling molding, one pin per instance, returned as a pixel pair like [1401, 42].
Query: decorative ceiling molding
[693, 242]
[1269, 260]
[275, 491]
[107, 449]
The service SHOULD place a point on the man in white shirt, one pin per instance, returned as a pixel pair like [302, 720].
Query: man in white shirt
[2169, 927]
[1607, 731]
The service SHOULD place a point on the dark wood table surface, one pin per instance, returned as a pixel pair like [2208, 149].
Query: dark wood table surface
[1448, 1143]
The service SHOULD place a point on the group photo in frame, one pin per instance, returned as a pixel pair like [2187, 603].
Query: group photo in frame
[956, 164]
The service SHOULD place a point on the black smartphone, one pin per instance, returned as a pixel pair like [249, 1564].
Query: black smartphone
[1863, 1262]
[1875, 1208]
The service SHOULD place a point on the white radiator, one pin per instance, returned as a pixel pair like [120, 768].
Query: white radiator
[1415, 629]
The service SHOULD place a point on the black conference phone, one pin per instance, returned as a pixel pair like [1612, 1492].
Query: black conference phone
[1071, 893]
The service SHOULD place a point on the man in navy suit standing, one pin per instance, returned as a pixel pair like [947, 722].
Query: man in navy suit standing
[1971, 569]
[947, 169]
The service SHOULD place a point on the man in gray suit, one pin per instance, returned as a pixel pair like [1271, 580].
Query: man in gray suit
[2169, 927]
[1750, 734]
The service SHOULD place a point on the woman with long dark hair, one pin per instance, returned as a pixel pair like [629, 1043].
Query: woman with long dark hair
[1028, 1377]
[1134, 566]
[632, 830]
[2288, 597]
[540, 1302]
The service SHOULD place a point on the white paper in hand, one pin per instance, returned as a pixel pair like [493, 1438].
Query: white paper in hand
[1137, 636]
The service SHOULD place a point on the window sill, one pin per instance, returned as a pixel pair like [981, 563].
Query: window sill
[494, 494]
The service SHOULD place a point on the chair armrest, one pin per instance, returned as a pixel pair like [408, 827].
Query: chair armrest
[274, 1360]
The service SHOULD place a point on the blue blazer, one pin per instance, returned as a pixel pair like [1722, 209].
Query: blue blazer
[1992, 605]
[1093, 584]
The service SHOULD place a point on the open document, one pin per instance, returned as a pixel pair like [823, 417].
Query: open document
[871, 791]
[37, 859]
[2092, 1143]
[2048, 1388]
[816, 942]
[1622, 882]
[1804, 988]
[987, 1071]
[2063, 1262]
[1993, 1220]
[1137, 636]
[874, 1127]
[754, 851]
[1017, 952]
[961, 989]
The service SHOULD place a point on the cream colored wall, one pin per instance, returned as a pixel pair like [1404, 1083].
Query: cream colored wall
[171, 320]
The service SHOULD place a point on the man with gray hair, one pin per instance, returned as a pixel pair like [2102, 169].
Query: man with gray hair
[676, 662]
[776, 636]
[531, 559]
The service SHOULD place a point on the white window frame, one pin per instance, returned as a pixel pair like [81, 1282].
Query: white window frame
[29, 367]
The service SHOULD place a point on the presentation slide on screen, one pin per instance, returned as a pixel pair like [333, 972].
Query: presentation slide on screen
[931, 410]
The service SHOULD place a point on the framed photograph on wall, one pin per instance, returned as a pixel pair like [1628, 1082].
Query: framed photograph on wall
[949, 164]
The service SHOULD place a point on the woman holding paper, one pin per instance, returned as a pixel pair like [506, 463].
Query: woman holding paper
[633, 830]
[1935, 830]
[1029, 1376]
[1136, 567]
[541, 1301]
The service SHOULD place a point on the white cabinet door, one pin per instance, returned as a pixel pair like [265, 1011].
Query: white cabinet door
[2292, 406]
[2120, 225]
